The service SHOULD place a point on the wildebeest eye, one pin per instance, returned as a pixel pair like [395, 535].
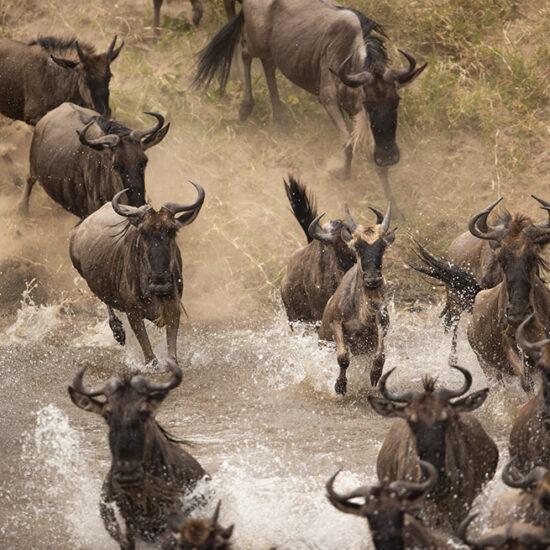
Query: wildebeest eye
[144, 413]
[107, 414]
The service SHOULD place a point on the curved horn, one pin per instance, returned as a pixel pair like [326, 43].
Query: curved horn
[403, 398]
[403, 76]
[315, 231]
[525, 482]
[143, 385]
[216, 515]
[386, 222]
[341, 501]
[379, 215]
[351, 223]
[403, 487]
[132, 212]
[138, 135]
[478, 224]
[191, 209]
[545, 206]
[463, 530]
[524, 344]
[109, 140]
[364, 78]
[111, 53]
[109, 388]
[450, 394]
[495, 540]
[81, 55]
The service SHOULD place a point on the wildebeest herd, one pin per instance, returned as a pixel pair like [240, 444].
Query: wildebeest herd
[437, 456]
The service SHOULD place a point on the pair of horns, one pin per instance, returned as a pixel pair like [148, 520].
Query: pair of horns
[366, 78]
[112, 140]
[526, 482]
[479, 227]
[528, 535]
[138, 382]
[111, 53]
[409, 396]
[401, 488]
[191, 211]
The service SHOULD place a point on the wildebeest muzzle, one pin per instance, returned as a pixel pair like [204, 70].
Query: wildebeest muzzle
[161, 284]
[128, 473]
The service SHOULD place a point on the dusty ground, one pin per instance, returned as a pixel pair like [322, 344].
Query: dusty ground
[461, 145]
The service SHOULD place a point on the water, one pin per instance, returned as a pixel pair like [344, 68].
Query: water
[257, 401]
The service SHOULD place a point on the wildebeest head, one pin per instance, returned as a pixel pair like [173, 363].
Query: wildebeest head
[200, 534]
[429, 413]
[381, 100]
[369, 245]
[514, 536]
[540, 352]
[536, 482]
[517, 242]
[157, 231]
[94, 75]
[129, 408]
[126, 151]
[384, 504]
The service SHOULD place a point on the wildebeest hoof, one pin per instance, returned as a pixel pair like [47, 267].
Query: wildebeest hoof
[245, 108]
[197, 15]
[118, 331]
[340, 173]
[341, 386]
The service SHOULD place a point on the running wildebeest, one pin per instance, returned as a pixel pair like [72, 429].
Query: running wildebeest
[131, 261]
[82, 160]
[530, 435]
[518, 243]
[388, 508]
[356, 315]
[34, 79]
[314, 271]
[150, 473]
[197, 534]
[528, 500]
[327, 50]
[431, 427]
[513, 536]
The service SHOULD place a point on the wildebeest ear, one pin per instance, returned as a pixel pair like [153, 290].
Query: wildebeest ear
[65, 63]
[226, 533]
[385, 407]
[84, 402]
[155, 138]
[156, 398]
[471, 402]
[389, 237]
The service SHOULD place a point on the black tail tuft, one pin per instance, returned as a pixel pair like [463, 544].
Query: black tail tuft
[460, 281]
[218, 54]
[302, 204]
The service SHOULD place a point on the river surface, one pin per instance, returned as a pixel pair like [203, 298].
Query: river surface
[257, 401]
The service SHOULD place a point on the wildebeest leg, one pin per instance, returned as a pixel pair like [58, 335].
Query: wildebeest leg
[229, 6]
[380, 356]
[136, 322]
[342, 357]
[517, 364]
[331, 106]
[271, 79]
[197, 11]
[453, 356]
[111, 524]
[247, 104]
[116, 326]
[172, 338]
[156, 15]
[24, 204]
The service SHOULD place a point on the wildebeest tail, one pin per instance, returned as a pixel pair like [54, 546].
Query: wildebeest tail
[302, 204]
[462, 282]
[218, 54]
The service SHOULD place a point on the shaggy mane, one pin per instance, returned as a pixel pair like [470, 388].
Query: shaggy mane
[429, 383]
[63, 46]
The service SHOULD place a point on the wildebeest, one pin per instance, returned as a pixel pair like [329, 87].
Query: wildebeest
[150, 472]
[82, 160]
[197, 534]
[34, 79]
[326, 49]
[528, 501]
[431, 427]
[356, 315]
[517, 242]
[530, 435]
[314, 271]
[388, 507]
[513, 536]
[197, 13]
[131, 261]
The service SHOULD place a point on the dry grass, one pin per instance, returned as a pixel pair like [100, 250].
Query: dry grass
[473, 126]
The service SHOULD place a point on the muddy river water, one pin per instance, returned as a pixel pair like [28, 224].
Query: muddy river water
[257, 401]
